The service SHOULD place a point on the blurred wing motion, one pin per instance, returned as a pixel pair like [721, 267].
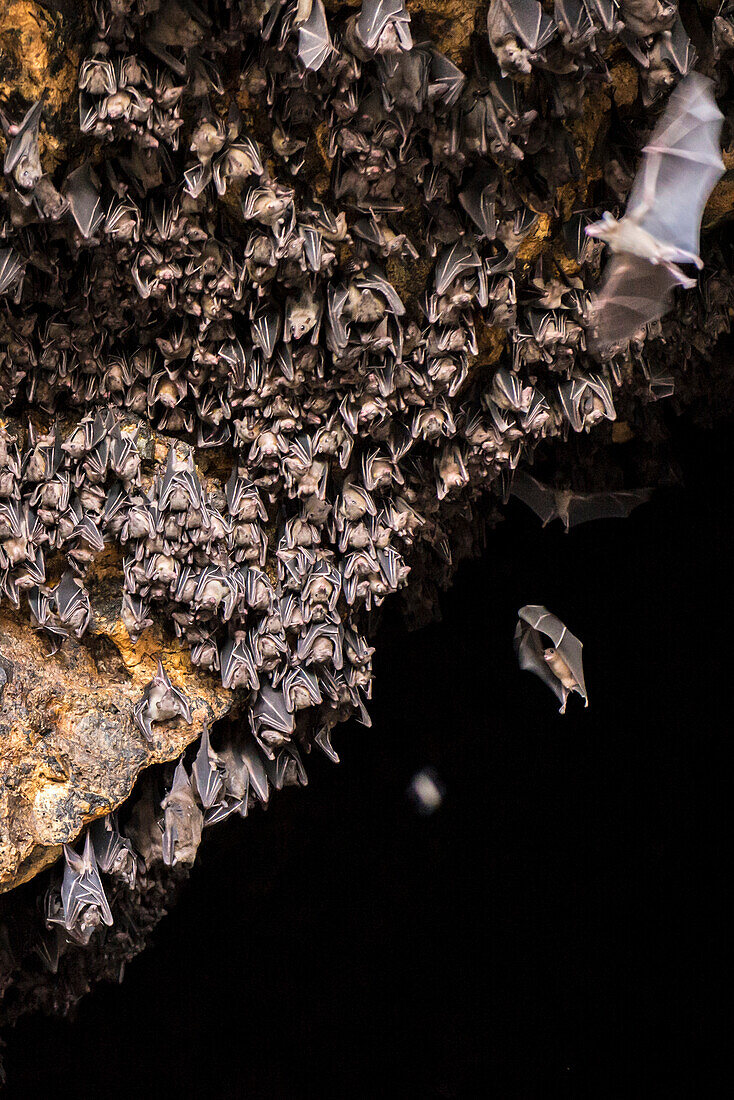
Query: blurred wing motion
[574, 508]
[662, 224]
[634, 293]
[682, 164]
[559, 666]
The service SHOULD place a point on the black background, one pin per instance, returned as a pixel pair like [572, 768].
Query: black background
[552, 930]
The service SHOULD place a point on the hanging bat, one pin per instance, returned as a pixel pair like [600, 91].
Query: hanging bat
[207, 773]
[82, 191]
[160, 702]
[83, 901]
[271, 721]
[574, 508]
[661, 226]
[22, 158]
[560, 665]
[113, 851]
[182, 821]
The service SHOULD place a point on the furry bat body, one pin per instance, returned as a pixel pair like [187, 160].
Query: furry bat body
[560, 665]
[662, 224]
[574, 508]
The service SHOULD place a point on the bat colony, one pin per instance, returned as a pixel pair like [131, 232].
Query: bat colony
[188, 283]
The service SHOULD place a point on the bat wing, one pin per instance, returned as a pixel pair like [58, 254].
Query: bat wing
[254, 763]
[634, 292]
[537, 496]
[314, 42]
[584, 507]
[84, 200]
[682, 164]
[207, 773]
[529, 650]
[27, 135]
[533, 26]
[446, 81]
[454, 260]
[374, 17]
[568, 645]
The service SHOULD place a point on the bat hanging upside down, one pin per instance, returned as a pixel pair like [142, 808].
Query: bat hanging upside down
[574, 508]
[662, 223]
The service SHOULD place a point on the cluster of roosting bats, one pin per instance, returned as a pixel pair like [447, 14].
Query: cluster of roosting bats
[198, 275]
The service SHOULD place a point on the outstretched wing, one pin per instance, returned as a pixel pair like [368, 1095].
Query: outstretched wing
[584, 507]
[567, 644]
[682, 164]
[541, 498]
[529, 650]
[634, 292]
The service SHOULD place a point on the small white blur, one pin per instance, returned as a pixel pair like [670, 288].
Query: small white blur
[426, 792]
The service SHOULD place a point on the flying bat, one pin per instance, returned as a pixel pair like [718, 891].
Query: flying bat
[574, 508]
[558, 665]
[662, 224]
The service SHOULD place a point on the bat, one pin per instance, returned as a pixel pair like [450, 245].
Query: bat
[238, 665]
[253, 761]
[478, 200]
[11, 269]
[83, 900]
[286, 769]
[323, 740]
[180, 487]
[574, 508]
[454, 261]
[559, 665]
[207, 773]
[113, 851]
[22, 157]
[662, 223]
[161, 701]
[445, 81]
[314, 41]
[72, 603]
[182, 821]
[374, 18]
[524, 22]
[271, 721]
[80, 189]
[266, 330]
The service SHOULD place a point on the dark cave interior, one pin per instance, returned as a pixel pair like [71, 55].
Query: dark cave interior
[550, 930]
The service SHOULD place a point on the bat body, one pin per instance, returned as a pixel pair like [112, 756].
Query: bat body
[83, 901]
[574, 508]
[182, 821]
[661, 226]
[113, 851]
[160, 702]
[559, 665]
[22, 159]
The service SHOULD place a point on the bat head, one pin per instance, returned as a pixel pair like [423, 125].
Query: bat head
[549, 653]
